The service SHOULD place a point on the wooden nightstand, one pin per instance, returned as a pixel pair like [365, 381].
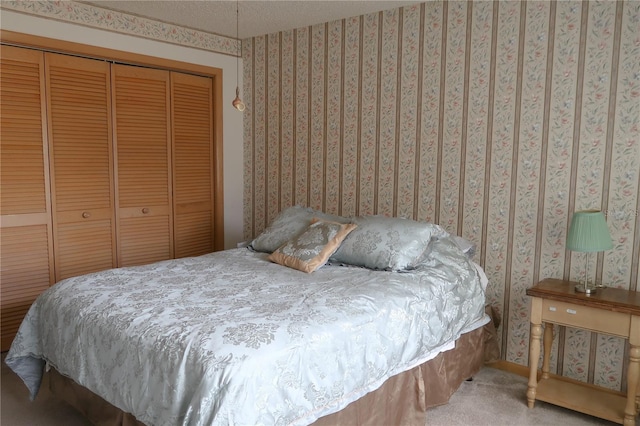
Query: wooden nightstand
[609, 311]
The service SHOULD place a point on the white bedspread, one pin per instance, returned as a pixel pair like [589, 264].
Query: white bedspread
[230, 338]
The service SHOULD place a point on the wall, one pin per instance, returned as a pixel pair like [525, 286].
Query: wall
[232, 120]
[495, 119]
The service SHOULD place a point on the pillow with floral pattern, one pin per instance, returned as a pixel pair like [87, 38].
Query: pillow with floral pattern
[310, 250]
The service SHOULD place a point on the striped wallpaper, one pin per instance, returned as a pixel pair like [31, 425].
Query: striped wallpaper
[496, 120]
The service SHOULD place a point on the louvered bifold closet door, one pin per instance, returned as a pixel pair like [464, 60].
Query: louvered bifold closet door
[26, 262]
[192, 114]
[82, 164]
[143, 146]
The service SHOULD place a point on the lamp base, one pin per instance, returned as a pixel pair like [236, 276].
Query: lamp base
[581, 288]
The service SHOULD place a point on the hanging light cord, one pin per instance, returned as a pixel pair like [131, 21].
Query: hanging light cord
[237, 38]
[237, 102]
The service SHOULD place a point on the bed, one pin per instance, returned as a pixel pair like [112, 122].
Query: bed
[234, 338]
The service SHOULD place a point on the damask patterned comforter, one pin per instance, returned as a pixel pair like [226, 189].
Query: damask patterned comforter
[230, 338]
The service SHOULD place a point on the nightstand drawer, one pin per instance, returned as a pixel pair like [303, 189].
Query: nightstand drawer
[579, 316]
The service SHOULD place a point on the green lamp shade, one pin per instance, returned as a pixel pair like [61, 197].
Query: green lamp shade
[588, 232]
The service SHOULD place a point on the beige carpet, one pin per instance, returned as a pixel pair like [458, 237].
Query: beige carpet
[494, 397]
[46, 410]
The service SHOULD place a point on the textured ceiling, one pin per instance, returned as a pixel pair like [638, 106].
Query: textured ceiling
[255, 17]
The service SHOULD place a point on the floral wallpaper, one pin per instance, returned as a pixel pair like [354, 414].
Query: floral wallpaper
[96, 17]
[496, 120]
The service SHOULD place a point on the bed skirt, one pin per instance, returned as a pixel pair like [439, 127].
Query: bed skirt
[402, 400]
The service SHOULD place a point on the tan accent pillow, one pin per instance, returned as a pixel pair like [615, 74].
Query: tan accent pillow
[311, 249]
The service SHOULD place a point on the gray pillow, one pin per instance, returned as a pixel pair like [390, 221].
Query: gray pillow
[465, 245]
[287, 225]
[388, 243]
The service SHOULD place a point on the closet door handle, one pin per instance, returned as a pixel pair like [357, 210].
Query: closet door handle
[145, 210]
[86, 215]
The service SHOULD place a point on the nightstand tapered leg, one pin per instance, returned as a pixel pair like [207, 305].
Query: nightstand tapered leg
[534, 355]
[638, 398]
[547, 343]
[633, 380]
[633, 374]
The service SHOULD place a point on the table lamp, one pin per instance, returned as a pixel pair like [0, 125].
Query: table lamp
[588, 233]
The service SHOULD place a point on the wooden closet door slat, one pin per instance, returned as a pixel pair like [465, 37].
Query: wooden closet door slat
[82, 164]
[26, 267]
[192, 115]
[21, 131]
[143, 146]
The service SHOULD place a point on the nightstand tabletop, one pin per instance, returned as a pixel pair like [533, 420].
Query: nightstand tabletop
[613, 299]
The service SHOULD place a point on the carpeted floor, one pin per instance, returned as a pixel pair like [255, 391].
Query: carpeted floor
[46, 410]
[494, 397]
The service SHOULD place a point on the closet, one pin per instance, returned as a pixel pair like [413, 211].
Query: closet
[26, 243]
[143, 148]
[192, 158]
[102, 165]
[80, 154]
